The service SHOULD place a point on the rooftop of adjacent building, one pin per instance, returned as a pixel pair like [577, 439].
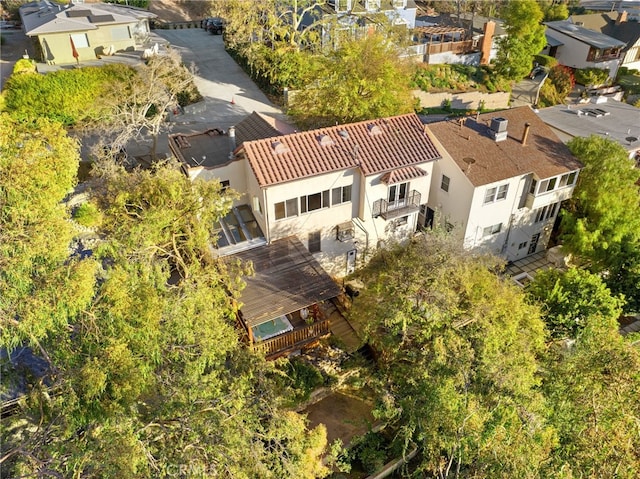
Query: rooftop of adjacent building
[590, 37]
[484, 160]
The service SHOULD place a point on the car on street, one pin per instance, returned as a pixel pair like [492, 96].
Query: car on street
[214, 25]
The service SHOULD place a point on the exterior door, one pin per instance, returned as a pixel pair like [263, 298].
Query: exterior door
[533, 245]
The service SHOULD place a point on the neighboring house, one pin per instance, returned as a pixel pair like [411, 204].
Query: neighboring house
[578, 47]
[77, 32]
[468, 39]
[343, 190]
[623, 26]
[337, 19]
[613, 119]
[500, 182]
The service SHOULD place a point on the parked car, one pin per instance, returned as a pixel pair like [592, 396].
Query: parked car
[214, 25]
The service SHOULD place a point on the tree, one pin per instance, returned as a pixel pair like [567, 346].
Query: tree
[137, 107]
[570, 298]
[594, 405]
[554, 10]
[525, 38]
[364, 79]
[38, 166]
[151, 379]
[602, 214]
[458, 365]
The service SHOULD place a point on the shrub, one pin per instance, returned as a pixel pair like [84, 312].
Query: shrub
[545, 61]
[591, 76]
[87, 214]
[24, 65]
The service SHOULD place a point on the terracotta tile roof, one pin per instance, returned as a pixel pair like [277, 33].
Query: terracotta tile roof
[403, 174]
[376, 146]
[544, 154]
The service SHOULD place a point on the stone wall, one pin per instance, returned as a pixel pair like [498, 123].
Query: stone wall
[462, 101]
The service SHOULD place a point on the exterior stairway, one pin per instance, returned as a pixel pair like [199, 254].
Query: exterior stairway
[341, 328]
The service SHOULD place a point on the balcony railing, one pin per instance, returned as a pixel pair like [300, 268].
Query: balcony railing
[465, 46]
[293, 340]
[389, 210]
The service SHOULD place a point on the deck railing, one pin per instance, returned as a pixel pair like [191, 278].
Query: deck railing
[465, 46]
[294, 339]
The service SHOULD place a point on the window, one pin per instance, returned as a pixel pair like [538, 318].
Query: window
[341, 195]
[314, 202]
[225, 184]
[286, 209]
[120, 33]
[532, 189]
[491, 230]
[502, 192]
[496, 193]
[547, 185]
[402, 221]
[568, 179]
[523, 245]
[444, 184]
[398, 194]
[80, 40]
[546, 212]
[314, 242]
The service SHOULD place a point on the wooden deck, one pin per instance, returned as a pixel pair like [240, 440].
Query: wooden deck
[292, 341]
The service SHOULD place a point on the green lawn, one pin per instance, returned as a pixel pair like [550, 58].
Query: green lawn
[630, 83]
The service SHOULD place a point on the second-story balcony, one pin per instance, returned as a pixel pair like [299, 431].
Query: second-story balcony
[401, 207]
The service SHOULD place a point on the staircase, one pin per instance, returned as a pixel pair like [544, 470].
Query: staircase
[340, 327]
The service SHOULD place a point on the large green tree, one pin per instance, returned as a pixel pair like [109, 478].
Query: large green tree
[601, 222]
[38, 166]
[570, 298]
[458, 348]
[363, 79]
[525, 38]
[150, 377]
[592, 391]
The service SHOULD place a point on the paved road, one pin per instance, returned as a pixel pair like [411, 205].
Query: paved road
[220, 80]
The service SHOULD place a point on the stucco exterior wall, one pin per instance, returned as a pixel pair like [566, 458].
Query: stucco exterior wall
[56, 47]
[573, 53]
[234, 172]
[469, 100]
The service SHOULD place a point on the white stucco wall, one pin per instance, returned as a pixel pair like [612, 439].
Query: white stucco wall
[233, 172]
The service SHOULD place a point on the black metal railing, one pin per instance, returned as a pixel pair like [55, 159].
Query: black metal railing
[404, 206]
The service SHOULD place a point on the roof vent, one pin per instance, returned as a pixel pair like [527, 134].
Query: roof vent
[279, 148]
[325, 140]
[344, 134]
[498, 130]
[374, 129]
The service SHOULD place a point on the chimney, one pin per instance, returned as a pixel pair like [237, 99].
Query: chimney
[487, 41]
[622, 17]
[527, 126]
[232, 141]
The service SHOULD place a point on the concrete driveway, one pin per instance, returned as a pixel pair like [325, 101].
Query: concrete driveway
[229, 94]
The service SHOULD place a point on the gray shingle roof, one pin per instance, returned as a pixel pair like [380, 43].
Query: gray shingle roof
[590, 37]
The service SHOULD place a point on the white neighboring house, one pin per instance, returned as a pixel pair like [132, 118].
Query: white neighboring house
[500, 182]
[578, 47]
[343, 190]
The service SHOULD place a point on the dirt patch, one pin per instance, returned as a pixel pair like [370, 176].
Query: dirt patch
[344, 416]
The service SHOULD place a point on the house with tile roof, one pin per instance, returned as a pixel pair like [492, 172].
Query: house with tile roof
[501, 181]
[343, 190]
[578, 47]
[623, 25]
[78, 32]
